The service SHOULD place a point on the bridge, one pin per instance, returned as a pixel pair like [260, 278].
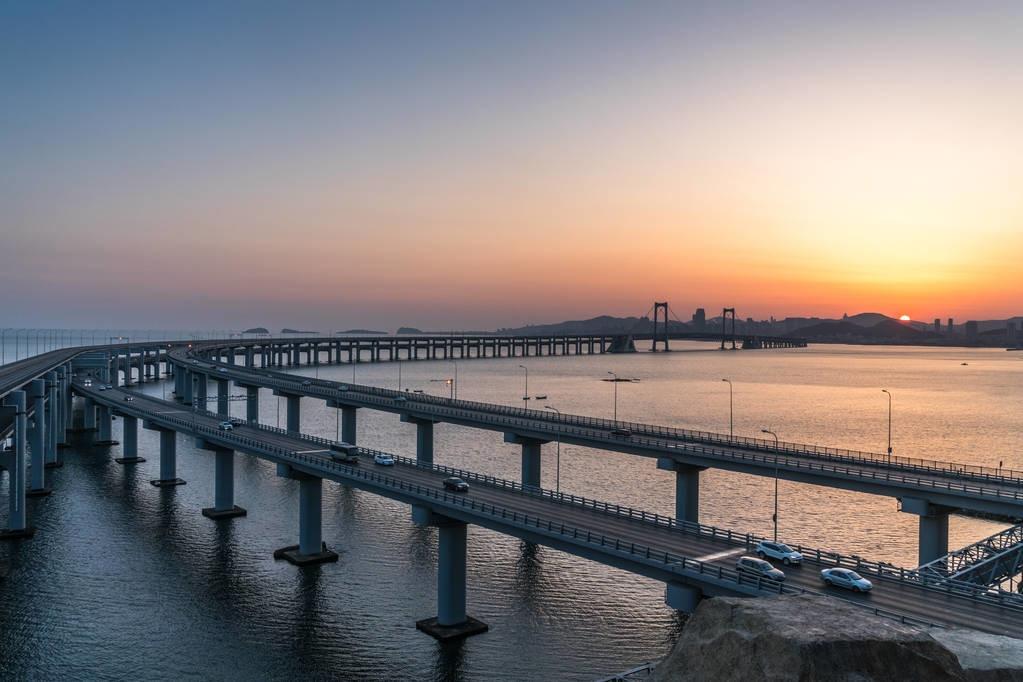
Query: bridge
[691, 559]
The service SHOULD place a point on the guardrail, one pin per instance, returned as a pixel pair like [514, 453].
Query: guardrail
[958, 470]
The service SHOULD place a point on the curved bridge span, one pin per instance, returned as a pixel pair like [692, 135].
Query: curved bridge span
[693, 560]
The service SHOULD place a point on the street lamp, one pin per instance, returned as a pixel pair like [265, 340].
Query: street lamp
[455, 385]
[557, 480]
[615, 379]
[451, 386]
[775, 517]
[525, 391]
[885, 390]
[731, 410]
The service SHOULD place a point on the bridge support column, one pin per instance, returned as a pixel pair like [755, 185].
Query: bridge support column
[223, 485]
[682, 597]
[933, 531]
[201, 395]
[89, 414]
[530, 458]
[349, 422]
[223, 395]
[424, 437]
[105, 422]
[37, 439]
[168, 458]
[179, 384]
[687, 489]
[252, 404]
[310, 548]
[451, 621]
[54, 405]
[294, 416]
[129, 441]
[17, 469]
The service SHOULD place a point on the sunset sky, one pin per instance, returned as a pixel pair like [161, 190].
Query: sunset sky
[472, 165]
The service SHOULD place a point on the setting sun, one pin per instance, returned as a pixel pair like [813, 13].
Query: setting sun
[905, 318]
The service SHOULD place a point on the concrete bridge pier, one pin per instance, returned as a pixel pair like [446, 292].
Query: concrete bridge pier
[179, 391]
[530, 458]
[129, 441]
[223, 397]
[105, 437]
[201, 396]
[89, 414]
[349, 424]
[168, 457]
[66, 408]
[37, 439]
[223, 484]
[424, 437]
[54, 404]
[933, 532]
[188, 382]
[682, 597]
[252, 404]
[17, 469]
[310, 548]
[451, 621]
[687, 488]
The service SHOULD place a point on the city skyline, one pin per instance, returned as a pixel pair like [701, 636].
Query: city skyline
[474, 167]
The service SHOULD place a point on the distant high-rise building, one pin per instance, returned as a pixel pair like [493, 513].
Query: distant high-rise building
[971, 329]
[950, 325]
[937, 325]
[700, 319]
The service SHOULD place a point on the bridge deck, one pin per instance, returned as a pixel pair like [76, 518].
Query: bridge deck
[646, 545]
[940, 483]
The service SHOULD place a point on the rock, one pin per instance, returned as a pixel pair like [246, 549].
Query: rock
[984, 657]
[804, 637]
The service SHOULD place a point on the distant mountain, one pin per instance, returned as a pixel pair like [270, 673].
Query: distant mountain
[257, 330]
[866, 319]
[409, 330]
[363, 331]
[885, 331]
[298, 331]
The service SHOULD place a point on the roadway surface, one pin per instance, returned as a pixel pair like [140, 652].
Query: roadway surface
[949, 484]
[411, 483]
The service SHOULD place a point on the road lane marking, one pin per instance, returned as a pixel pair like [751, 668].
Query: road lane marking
[308, 452]
[722, 555]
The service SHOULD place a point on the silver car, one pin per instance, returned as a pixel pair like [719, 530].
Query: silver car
[759, 568]
[779, 551]
[843, 577]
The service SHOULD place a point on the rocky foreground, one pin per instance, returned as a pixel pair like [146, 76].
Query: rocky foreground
[809, 637]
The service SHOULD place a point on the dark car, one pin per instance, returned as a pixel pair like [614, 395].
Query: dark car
[456, 484]
[621, 433]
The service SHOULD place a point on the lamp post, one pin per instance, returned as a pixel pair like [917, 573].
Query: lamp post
[525, 392]
[399, 373]
[886, 391]
[731, 410]
[454, 387]
[615, 382]
[775, 517]
[557, 479]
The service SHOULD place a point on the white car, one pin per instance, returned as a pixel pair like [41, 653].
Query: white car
[843, 577]
[384, 459]
[779, 551]
[307, 383]
[226, 426]
[222, 369]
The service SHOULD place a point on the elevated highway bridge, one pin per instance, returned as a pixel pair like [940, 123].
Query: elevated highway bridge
[691, 559]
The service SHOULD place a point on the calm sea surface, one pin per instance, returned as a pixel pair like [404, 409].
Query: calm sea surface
[124, 580]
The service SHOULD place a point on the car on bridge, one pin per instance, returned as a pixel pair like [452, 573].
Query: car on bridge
[758, 568]
[383, 459]
[621, 433]
[222, 369]
[226, 426]
[455, 484]
[235, 421]
[846, 578]
[779, 551]
[128, 398]
[307, 383]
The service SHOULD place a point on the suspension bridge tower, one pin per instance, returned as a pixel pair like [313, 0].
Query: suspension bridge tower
[660, 325]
